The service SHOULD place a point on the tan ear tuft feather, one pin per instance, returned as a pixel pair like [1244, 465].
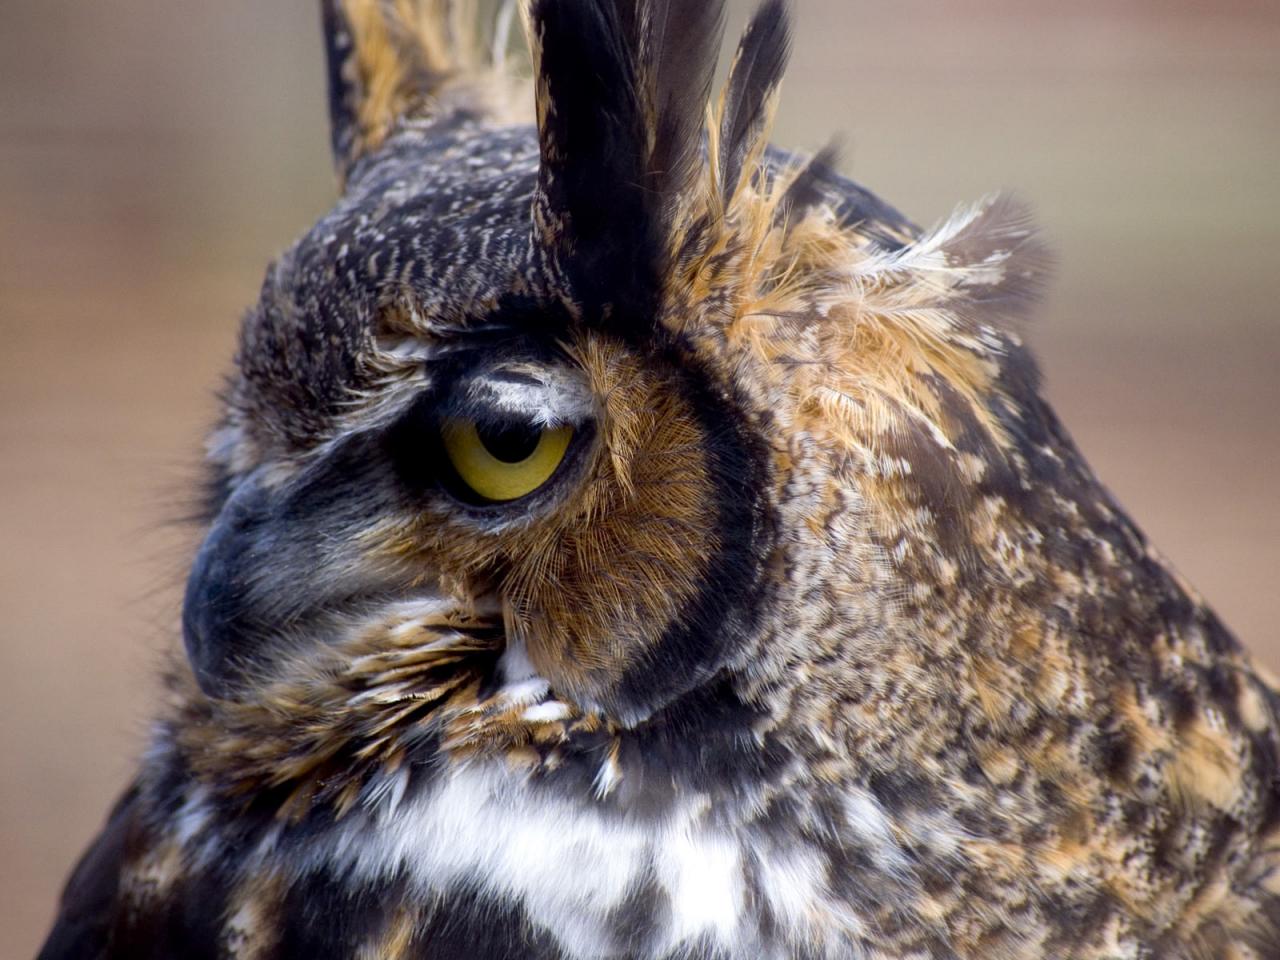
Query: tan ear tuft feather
[396, 59]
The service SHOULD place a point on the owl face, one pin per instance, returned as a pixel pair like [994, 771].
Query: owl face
[621, 406]
[598, 498]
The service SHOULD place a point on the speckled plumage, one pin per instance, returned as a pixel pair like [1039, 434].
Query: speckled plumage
[822, 641]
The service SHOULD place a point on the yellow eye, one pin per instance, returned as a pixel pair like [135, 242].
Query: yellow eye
[504, 463]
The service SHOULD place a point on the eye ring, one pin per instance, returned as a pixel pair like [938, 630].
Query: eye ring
[503, 463]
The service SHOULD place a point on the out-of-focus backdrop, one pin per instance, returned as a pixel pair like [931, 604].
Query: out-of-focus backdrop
[154, 155]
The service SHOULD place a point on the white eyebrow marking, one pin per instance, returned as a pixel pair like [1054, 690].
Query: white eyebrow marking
[546, 395]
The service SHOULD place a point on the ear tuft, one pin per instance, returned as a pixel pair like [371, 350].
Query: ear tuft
[622, 88]
[750, 97]
[390, 59]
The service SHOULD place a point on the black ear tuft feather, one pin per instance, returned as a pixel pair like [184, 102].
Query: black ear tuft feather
[683, 48]
[343, 83]
[757, 72]
[622, 86]
[591, 203]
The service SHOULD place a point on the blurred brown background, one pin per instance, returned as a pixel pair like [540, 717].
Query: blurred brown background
[154, 155]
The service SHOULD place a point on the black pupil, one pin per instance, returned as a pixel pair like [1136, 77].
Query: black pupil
[510, 442]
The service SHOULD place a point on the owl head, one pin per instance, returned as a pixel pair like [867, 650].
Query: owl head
[600, 422]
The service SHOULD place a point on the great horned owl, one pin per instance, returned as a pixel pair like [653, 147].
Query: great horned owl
[628, 540]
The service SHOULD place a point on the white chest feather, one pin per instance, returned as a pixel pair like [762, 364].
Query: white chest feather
[575, 868]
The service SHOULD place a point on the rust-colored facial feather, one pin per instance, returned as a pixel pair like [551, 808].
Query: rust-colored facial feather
[594, 596]
[592, 582]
